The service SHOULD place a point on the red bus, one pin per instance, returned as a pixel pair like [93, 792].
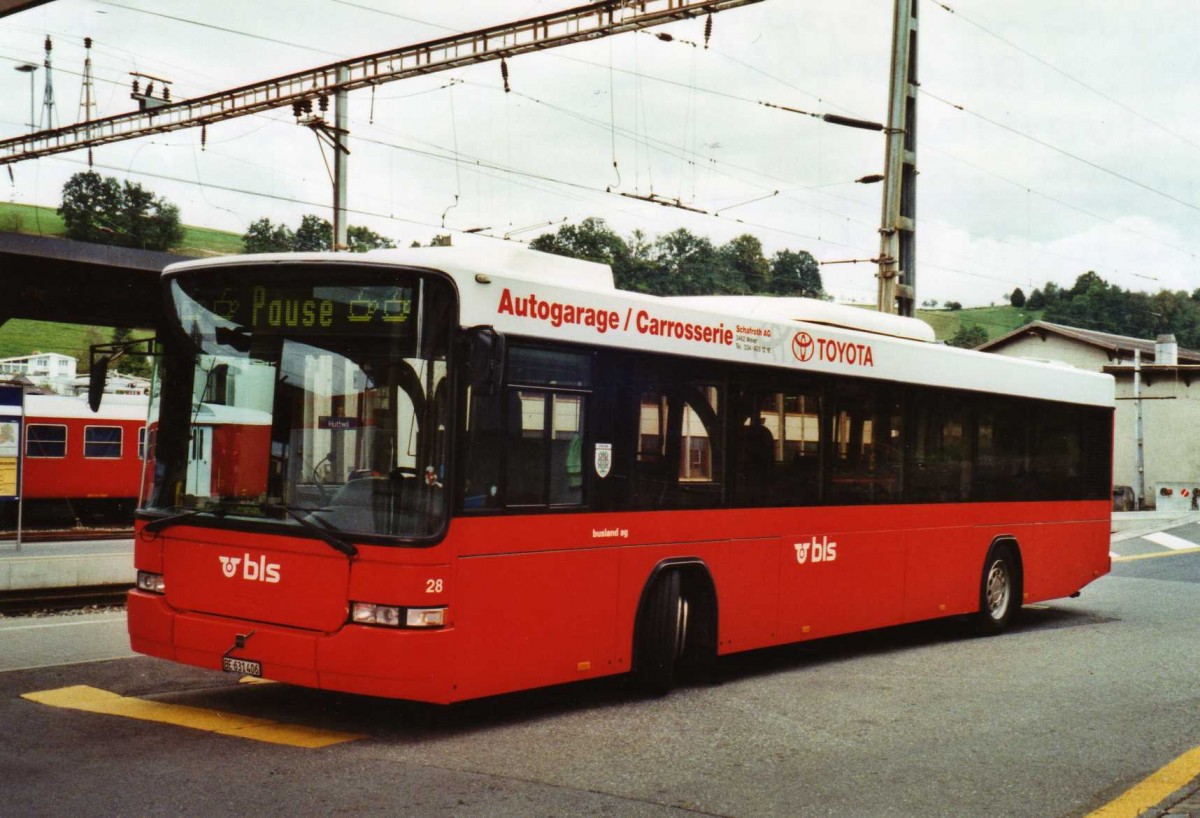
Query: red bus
[456, 474]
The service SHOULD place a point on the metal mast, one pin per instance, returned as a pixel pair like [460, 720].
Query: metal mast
[897, 246]
[87, 91]
[341, 121]
[49, 117]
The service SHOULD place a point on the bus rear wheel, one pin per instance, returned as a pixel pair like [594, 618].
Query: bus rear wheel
[999, 591]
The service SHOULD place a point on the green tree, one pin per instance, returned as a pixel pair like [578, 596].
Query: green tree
[969, 337]
[1017, 299]
[314, 235]
[590, 240]
[796, 273]
[131, 363]
[682, 263]
[102, 210]
[690, 265]
[749, 271]
[265, 237]
[362, 239]
[953, 305]
[90, 204]
[1036, 300]
[593, 240]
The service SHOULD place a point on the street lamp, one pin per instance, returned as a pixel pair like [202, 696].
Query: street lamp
[29, 68]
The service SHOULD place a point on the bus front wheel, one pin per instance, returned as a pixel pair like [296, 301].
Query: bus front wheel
[661, 635]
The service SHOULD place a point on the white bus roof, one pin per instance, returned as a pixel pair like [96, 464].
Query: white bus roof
[522, 292]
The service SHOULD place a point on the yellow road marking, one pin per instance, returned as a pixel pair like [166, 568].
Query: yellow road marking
[94, 700]
[1153, 789]
[1156, 554]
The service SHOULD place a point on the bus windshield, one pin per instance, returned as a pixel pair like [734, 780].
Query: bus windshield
[307, 390]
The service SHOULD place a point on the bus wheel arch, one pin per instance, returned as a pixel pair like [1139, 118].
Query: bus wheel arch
[1001, 586]
[675, 632]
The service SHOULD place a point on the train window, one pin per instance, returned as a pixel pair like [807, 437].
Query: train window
[102, 442]
[142, 443]
[45, 440]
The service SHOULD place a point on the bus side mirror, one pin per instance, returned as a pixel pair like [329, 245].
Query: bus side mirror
[97, 378]
[102, 356]
[485, 359]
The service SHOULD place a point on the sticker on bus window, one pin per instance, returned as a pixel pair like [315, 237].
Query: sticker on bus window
[337, 423]
[603, 459]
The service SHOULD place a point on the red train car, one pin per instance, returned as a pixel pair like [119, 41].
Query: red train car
[82, 466]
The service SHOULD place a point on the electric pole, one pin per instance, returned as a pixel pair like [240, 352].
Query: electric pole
[341, 133]
[49, 117]
[897, 246]
[87, 91]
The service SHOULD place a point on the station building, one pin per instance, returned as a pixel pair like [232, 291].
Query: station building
[1169, 401]
[49, 370]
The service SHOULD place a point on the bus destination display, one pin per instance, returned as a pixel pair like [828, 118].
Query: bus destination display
[271, 309]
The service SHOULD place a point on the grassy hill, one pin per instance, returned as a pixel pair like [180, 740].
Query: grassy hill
[21, 337]
[996, 321]
[44, 221]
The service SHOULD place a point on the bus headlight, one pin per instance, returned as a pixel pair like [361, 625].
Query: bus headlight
[392, 616]
[153, 583]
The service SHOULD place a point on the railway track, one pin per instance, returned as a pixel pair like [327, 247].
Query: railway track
[74, 534]
[51, 600]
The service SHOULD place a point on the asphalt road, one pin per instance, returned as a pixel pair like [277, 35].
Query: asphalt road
[1082, 700]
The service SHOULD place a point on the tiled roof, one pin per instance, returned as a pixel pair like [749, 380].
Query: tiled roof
[1120, 345]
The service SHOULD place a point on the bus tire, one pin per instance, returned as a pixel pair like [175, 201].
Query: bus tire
[999, 590]
[661, 635]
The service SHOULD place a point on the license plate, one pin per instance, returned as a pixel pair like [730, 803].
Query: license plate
[243, 666]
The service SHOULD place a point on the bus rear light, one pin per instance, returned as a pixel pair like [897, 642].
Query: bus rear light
[153, 583]
[368, 613]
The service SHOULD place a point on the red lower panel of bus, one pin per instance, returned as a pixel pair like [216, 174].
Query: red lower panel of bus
[546, 599]
[356, 659]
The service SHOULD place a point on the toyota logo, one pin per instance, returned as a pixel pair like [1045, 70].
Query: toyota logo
[803, 346]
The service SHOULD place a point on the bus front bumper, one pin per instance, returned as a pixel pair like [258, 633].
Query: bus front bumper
[374, 661]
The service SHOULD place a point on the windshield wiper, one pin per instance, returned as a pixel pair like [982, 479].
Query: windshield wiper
[155, 526]
[322, 530]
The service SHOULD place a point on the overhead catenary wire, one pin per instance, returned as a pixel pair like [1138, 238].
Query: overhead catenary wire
[223, 29]
[1093, 89]
[1063, 151]
[1063, 203]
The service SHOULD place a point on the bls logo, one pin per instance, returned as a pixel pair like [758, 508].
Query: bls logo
[255, 571]
[821, 550]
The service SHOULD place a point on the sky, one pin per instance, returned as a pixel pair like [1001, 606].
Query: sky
[1053, 138]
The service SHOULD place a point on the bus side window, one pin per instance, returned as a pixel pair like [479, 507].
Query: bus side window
[1002, 449]
[941, 448]
[777, 449]
[527, 446]
[867, 447]
[679, 461]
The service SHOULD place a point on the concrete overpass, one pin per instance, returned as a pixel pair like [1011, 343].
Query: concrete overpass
[8, 7]
[52, 279]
